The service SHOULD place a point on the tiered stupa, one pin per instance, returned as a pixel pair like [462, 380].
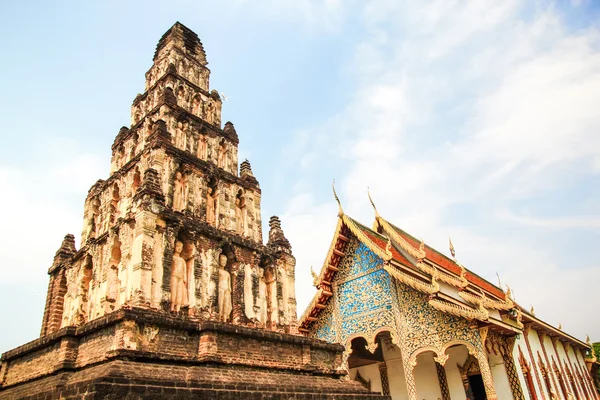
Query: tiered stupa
[173, 293]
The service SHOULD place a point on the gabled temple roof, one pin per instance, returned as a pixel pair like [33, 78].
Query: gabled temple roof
[419, 266]
[441, 260]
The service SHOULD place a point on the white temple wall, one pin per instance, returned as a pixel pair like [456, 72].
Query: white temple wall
[395, 370]
[370, 373]
[457, 356]
[499, 376]
[426, 380]
[532, 363]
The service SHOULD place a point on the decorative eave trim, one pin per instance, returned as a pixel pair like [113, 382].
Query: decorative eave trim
[481, 314]
[444, 276]
[385, 255]
[417, 284]
[419, 253]
[486, 301]
[539, 325]
[336, 235]
[311, 307]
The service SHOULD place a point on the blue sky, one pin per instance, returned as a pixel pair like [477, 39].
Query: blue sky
[476, 120]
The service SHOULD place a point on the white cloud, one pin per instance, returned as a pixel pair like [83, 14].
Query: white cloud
[474, 104]
[44, 203]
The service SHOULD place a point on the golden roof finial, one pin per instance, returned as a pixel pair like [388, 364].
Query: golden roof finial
[559, 326]
[314, 276]
[509, 292]
[532, 311]
[452, 248]
[587, 340]
[422, 246]
[340, 210]
[377, 216]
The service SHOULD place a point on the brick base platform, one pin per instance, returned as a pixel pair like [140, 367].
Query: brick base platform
[139, 354]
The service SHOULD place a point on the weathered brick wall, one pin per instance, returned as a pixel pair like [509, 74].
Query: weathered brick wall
[94, 346]
[33, 364]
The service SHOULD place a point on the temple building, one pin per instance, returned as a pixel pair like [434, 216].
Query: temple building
[416, 324]
[172, 293]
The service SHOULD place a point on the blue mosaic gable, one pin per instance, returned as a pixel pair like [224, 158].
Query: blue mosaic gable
[364, 294]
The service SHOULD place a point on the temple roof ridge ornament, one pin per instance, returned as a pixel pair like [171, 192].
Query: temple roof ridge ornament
[419, 253]
[340, 210]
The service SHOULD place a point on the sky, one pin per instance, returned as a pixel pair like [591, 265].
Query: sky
[475, 120]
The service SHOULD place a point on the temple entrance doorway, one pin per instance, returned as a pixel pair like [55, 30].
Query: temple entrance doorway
[477, 388]
[379, 368]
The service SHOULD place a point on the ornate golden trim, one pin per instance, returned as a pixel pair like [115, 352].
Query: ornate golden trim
[414, 283]
[419, 253]
[385, 255]
[486, 301]
[480, 314]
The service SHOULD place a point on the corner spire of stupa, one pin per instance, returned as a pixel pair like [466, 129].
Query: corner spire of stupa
[277, 240]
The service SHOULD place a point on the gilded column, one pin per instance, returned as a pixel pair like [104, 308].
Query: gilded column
[511, 370]
[441, 374]
[409, 376]
[486, 375]
[385, 382]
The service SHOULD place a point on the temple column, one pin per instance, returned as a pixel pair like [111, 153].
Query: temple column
[409, 376]
[486, 375]
[511, 370]
[442, 379]
[385, 382]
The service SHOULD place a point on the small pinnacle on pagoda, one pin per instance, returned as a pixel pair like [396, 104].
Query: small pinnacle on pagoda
[277, 238]
[245, 168]
[66, 250]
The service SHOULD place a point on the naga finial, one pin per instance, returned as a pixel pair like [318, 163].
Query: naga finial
[559, 326]
[587, 340]
[532, 311]
[377, 216]
[509, 292]
[314, 276]
[388, 248]
[452, 251]
[422, 246]
[340, 210]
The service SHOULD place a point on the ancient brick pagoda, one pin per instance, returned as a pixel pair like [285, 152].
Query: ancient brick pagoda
[173, 293]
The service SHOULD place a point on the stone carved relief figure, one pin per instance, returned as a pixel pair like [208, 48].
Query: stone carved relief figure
[248, 294]
[190, 254]
[178, 278]
[224, 299]
[222, 155]
[209, 112]
[262, 297]
[112, 279]
[240, 213]
[180, 136]
[212, 197]
[271, 283]
[180, 191]
[94, 219]
[282, 275]
[197, 106]
[202, 148]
